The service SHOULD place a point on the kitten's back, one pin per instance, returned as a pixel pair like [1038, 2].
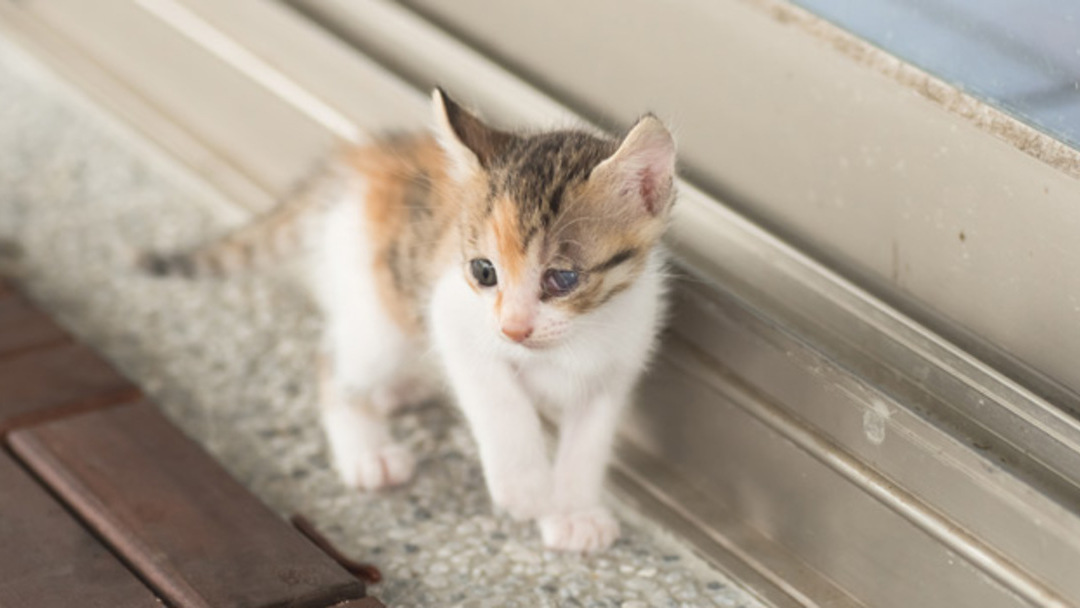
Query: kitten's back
[409, 212]
[404, 171]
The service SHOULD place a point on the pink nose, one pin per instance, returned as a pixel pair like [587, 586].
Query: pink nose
[517, 333]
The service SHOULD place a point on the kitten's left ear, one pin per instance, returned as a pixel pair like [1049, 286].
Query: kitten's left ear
[642, 170]
[470, 144]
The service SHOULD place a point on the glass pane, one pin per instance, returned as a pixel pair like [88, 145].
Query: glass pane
[1020, 55]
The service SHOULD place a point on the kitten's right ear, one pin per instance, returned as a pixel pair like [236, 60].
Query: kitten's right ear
[642, 170]
[470, 144]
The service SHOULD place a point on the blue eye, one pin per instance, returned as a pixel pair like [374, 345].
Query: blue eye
[560, 282]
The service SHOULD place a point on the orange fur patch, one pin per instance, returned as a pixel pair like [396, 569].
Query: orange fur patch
[390, 170]
[508, 240]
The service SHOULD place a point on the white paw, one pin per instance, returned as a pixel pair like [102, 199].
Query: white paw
[376, 469]
[580, 531]
[522, 497]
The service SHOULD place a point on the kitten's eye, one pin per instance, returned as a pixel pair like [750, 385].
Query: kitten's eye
[560, 282]
[483, 271]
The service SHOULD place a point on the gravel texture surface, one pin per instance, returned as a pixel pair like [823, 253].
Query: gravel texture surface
[231, 363]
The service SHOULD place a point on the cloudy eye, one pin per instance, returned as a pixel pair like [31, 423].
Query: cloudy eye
[559, 282]
[483, 271]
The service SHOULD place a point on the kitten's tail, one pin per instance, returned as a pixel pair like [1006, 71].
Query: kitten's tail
[249, 247]
[272, 236]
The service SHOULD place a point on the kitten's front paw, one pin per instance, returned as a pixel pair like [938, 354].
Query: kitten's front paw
[580, 531]
[376, 469]
[522, 497]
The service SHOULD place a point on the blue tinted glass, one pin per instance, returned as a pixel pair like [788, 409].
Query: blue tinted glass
[1020, 55]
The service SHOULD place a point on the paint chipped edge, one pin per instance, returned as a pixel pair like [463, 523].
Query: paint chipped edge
[1011, 130]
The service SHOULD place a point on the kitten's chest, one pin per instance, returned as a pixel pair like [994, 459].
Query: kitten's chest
[557, 380]
[546, 385]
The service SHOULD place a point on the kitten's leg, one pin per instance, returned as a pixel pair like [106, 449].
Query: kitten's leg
[508, 433]
[358, 430]
[363, 353]
[501, 415]
[578, 521]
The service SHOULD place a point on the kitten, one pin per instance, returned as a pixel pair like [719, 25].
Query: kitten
[529, 263]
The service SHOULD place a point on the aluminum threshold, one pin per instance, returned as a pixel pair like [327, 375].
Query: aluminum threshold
[803, 436]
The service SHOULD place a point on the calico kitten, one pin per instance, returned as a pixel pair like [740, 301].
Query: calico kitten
[529, 263]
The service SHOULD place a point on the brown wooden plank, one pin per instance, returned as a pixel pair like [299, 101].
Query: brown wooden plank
[22, 326]
[46, 383]
[48, 560]
[195, 534]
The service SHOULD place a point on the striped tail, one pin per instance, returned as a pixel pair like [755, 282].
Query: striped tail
[271, 237]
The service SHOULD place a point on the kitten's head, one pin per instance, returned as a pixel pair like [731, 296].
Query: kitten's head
[554, 224]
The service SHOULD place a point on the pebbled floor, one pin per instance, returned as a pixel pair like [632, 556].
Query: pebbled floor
[230, 362]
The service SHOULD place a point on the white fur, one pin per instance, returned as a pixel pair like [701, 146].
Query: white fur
[587, 376]
[375, 366]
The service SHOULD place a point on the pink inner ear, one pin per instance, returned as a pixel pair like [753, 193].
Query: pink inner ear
[647, 189]
[644, 183]
[643, 166]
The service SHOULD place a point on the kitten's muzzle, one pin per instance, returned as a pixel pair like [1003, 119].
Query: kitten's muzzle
[517, 332]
